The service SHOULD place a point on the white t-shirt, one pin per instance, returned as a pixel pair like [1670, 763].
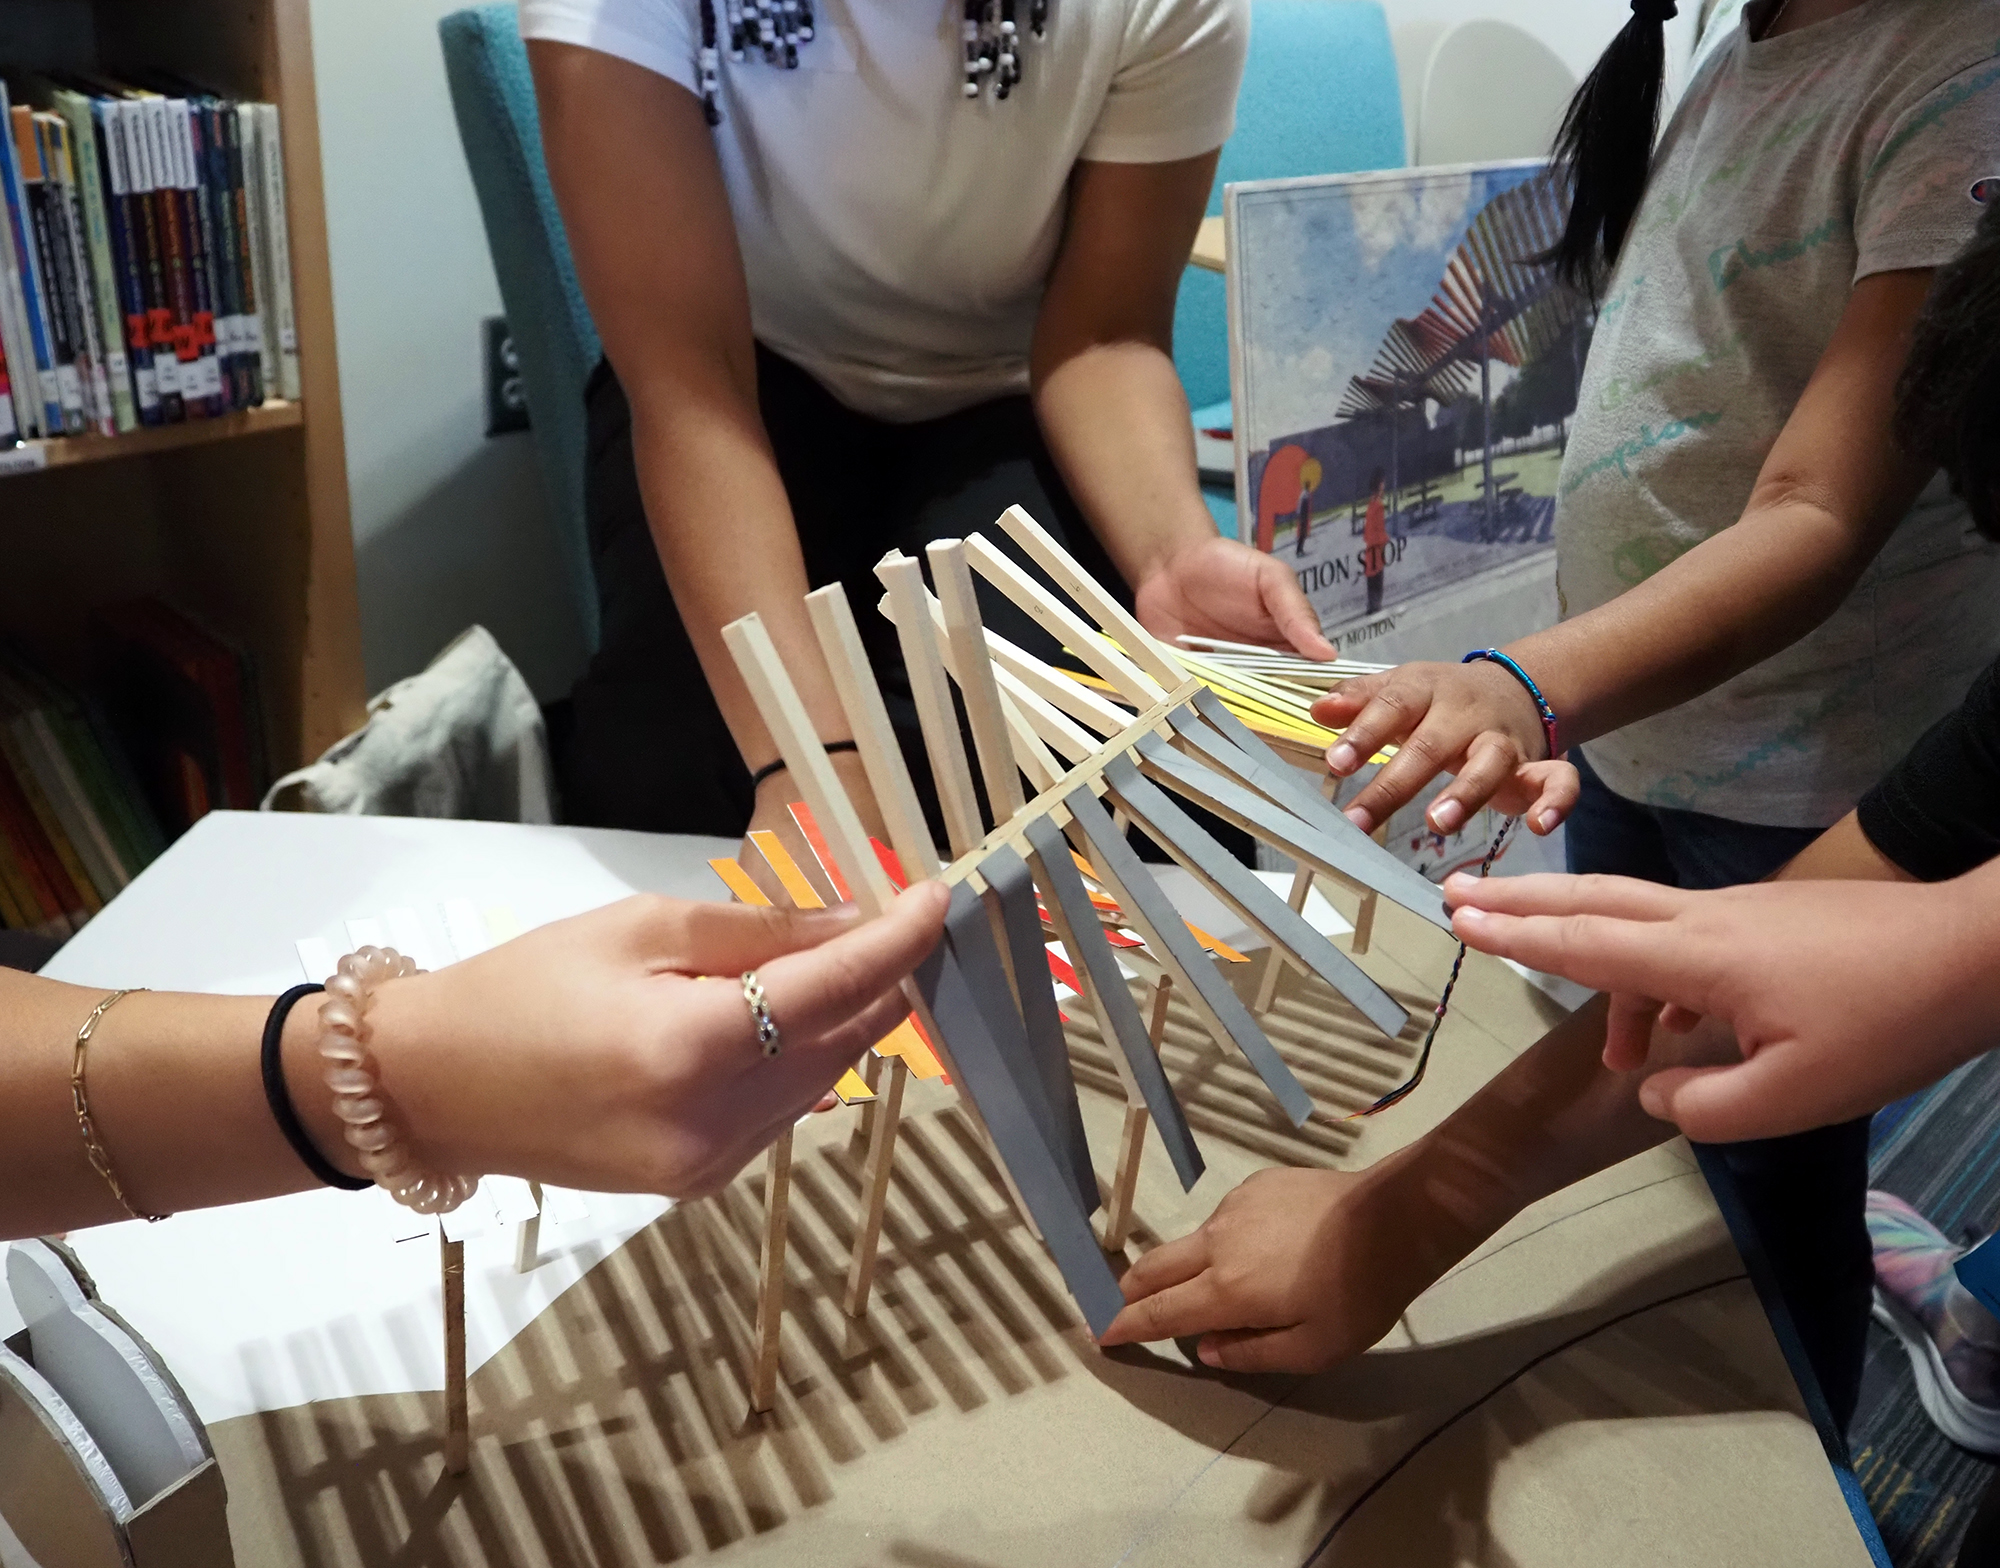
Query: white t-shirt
[896, 234]
[1793, 168]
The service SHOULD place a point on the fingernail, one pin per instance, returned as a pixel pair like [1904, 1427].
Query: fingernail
[1446, 815]
[1343, 758]
[1548, 821]
[1359, 817]
[1210, 1355]
[1469, 914]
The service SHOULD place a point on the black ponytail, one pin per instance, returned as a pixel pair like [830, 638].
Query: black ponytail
[1605, 147]
[1948, 398]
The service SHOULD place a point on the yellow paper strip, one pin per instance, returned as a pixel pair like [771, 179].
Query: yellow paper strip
[853, 1088]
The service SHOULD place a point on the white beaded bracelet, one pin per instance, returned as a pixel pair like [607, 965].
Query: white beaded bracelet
[366, 1113]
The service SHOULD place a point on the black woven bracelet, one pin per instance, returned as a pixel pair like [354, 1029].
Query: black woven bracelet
[279, 1097]
[773, 769]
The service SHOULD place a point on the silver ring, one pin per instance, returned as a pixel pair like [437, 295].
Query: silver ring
[768, 1038]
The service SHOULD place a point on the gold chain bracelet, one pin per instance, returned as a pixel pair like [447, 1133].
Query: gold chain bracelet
[80, 1096]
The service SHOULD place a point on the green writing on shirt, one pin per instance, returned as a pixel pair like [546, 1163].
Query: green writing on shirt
[1620, 456]
[1954, 96]
[1727, 263]
[1672, 208]
[1619, 390]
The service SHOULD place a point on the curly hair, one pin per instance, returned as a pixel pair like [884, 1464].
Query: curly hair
[1948, 397]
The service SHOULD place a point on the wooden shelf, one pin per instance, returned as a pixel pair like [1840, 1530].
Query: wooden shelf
[35, 456]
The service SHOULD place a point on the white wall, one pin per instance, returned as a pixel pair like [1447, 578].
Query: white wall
[1577, 30]
[449, 527]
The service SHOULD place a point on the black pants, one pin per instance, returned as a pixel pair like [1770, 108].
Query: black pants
[642, 743]
[1794, 1205]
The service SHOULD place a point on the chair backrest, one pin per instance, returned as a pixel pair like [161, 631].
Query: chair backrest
[1465, 117]
[1320, 96]
[493, 96]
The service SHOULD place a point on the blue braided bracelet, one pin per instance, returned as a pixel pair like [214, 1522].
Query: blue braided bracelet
[1495, 656]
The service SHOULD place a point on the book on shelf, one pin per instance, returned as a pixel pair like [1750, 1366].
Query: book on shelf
[145, 264]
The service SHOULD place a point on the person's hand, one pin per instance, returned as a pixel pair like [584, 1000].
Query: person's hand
[1296, 1271]
[1221, 588]
[597, 1052]
[1842, 996]
[1473, 720]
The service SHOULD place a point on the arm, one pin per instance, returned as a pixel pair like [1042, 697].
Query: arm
[1116, 420]
[1832, 489]
[635, 171]
[589, 1053]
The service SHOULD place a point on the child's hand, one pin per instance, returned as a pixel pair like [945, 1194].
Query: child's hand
[1843, 996]
[1295, 1271]
[1474, 720]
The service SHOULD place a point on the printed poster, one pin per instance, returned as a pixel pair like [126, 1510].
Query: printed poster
[1404, 375]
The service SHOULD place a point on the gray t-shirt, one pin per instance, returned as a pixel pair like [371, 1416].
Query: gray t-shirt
[1793, 168]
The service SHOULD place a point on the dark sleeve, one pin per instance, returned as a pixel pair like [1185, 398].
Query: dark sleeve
[1937, 814]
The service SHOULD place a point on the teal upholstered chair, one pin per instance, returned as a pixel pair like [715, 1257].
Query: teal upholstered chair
[1320, 96]
[494, 98]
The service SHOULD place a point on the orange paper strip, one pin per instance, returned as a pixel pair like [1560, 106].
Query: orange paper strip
[737, 880]
[794, 880]
[853, 1088]
[816, 842]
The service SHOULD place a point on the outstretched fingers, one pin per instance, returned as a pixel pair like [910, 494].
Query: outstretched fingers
[819, 994]
[1768, 1096]
[1288, 1349]
[1598, 951]
[1556, 893]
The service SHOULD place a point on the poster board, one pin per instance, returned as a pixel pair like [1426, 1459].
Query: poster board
[1404, 375]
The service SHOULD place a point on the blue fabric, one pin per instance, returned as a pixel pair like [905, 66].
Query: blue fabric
[1320, 96]
[1793, 1205]
[493, 96]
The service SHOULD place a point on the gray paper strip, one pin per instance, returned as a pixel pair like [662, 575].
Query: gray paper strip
[1061, 882]
[1006, 873]
[1043, 1182]
[1117, 858]
[1167, 822]
[1344, 847]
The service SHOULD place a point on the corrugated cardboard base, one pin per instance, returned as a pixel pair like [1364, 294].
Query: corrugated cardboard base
[1596, 1385]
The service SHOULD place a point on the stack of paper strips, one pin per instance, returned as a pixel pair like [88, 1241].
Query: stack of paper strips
[1052, 861]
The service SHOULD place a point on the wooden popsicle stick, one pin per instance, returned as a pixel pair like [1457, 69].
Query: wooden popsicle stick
[1132, 1142]
[457, 1420]
[1060, 621]
[771, 1272]
[528, 1235]
[972, 667]
[904, 579]
[1295, 900]
[1053, 686]
[875, 1187]
[874, 736]
[1139, 644]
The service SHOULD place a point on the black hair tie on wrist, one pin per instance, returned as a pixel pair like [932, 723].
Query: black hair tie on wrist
[771, 770]
[279, 1097]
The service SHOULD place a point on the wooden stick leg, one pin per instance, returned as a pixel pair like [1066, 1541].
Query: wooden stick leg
[875, 1192]
[1364, 924]
[457, 1425]
[528, 1236]
[1274, 961]
[871, 1074]
[1131, 1145]
[771, 1275]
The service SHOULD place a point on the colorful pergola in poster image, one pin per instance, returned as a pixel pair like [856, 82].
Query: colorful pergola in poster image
[1404, 373]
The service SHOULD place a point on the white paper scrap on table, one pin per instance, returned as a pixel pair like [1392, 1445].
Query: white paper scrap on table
[513, 1198]
[316, 958]
[464, 927]
[366, 932]
[409, 936]
[502, 924]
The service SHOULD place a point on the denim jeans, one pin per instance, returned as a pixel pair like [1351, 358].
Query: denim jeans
[1794, 1205]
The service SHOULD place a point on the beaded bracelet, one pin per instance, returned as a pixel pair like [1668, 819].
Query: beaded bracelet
[1548, 714]
[365, 1112]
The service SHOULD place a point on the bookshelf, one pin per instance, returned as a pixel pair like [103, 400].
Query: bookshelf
[244, 519]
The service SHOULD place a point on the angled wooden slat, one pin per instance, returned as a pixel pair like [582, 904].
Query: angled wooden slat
[1063, 623]
[1097, 601]
[972, 668]
[931, 688]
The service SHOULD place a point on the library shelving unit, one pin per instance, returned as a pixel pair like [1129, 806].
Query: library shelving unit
[242, 520]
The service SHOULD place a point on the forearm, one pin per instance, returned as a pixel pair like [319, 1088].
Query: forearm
[1728, 604]
[176, 1094]
[1116, 422]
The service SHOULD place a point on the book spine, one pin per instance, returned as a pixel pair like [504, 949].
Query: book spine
[9, 431]
[201, 256]
[162, 346]
[249, 298]
[107, 278]
[115, 175]
[61, 164]
[270, 136]
[60, 903]
[169, 217]
[76, 881]
[229, 289]
[48, 280]
[21, 402]
[34, 310]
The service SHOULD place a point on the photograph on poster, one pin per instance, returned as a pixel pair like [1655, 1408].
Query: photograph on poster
[1404, 374]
